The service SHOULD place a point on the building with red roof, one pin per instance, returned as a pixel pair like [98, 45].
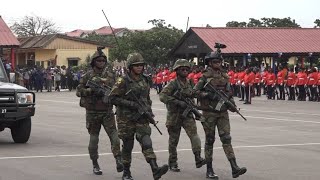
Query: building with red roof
[105, 30]
[244, 44]
[7, 40]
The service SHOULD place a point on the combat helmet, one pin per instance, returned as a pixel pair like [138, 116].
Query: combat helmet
[97, 54]
[134, 58]
[181, 63]
[214, 55]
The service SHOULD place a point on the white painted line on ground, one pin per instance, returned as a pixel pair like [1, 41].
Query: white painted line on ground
[279, 112]
[279, 119]
[157, 151]
[261, 117]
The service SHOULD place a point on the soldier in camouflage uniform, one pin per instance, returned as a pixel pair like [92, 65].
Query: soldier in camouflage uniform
[220, 119]
[175, 109]
[98, 112]
[139, 84]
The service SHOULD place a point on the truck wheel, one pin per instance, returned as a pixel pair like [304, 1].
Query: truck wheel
[20, 132]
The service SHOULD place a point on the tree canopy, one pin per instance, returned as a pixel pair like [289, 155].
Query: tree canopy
[153, 44]
[265, 22]
[317, 22]
[33, 26]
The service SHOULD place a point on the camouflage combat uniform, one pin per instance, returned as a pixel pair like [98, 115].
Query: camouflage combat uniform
[214, 118]
[99, 113]
[127, 110]
[128, 128]
[175, 121]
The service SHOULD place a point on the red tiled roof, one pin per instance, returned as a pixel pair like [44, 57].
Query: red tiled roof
[7, 39]
[105, 30]
[78, 32]
[43, 40]
[262, 40]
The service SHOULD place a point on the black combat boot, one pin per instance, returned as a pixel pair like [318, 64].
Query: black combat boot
[158, 171]
[199, 160]
[96, 168]
[126, 172]
[119, 163]
[210, 173]
[236, 171]
[174, 167]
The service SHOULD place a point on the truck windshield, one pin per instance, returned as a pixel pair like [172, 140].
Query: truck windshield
[3, 74]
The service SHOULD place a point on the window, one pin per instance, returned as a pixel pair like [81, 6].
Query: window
[73, 61]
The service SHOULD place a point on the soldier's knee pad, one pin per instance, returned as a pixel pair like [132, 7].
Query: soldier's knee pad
[225, 139]
[210, 140]
[146, 142]
[128, 145]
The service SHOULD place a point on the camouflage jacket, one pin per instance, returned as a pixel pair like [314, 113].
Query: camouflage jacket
[167, 96]
[220, 80]
[120, 98]
[87, 97]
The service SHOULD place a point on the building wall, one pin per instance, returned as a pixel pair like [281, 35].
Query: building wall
[64, 54]
[60, 43]
[63, 49]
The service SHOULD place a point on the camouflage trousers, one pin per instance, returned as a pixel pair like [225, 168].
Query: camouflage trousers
[141, 131]
[190, 127]
[221, 121]
[94, 120]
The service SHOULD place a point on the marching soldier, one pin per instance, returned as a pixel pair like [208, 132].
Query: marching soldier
[175, 109]
[257, 81]
[301, 83]
[138, 85]
[271, 80]
[98, 112]
[264, 77]
[291, 84]
[241, 75]
[214, 118]
[247, 83]
[312, 84]
[280, 82]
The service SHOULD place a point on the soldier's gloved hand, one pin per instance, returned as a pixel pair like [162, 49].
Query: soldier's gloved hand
[179, 103]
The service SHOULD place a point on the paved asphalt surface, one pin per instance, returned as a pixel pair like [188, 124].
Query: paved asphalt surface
[280, 141]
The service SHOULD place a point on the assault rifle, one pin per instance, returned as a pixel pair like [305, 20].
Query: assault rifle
[223, 99]
[191, 107]
[143, 110]
[105, 89]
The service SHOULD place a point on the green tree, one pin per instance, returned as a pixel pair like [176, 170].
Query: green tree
[236, 24]
[33, 26]
[317, 22]
[154, 44]
[265, 22]
[255, 23]
[277, 22]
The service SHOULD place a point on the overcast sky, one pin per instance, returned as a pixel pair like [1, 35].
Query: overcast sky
[134, 14]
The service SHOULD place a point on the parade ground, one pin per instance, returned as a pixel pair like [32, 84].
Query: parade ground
[279, 141]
